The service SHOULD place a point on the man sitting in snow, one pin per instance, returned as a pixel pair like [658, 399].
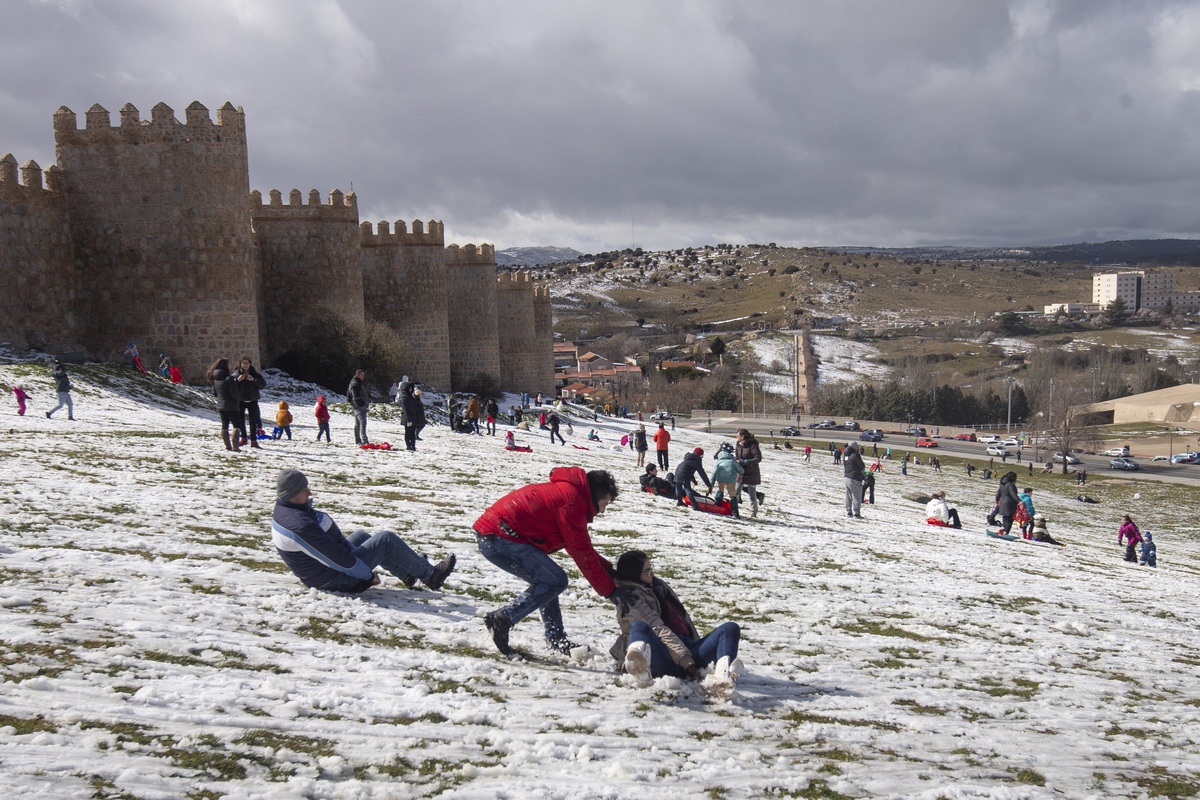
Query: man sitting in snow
[313, 547]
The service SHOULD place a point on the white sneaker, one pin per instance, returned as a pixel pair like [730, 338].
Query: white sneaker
[637, 663]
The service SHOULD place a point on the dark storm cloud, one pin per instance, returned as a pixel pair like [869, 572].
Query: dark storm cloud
[591, 123]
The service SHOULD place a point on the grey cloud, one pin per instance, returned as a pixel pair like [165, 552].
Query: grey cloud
[932, 121]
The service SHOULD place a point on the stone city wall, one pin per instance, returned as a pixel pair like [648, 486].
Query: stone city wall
[471, 286]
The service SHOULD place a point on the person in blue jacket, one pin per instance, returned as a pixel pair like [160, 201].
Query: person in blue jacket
[313, 546]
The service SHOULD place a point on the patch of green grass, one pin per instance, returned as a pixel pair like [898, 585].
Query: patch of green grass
[802, 717]
[881, 629]
[26, 725]
[1031, 777]
[917, 708]
[1022, 687]
[275, 740]
[1161, 783]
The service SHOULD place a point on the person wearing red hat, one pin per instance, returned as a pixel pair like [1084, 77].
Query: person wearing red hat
[685, 475]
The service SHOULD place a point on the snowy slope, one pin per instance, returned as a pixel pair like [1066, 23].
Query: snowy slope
[151, 646]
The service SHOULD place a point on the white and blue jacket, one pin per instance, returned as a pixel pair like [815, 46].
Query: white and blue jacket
[312, 545]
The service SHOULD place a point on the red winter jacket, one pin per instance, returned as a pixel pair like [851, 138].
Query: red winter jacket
[553, 516]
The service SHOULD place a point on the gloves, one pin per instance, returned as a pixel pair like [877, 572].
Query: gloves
[693, 673]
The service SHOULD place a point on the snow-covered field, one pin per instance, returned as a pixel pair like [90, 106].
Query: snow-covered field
[151, 646]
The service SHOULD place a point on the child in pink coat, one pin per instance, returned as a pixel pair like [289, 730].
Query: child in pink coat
[22, 396]
[1129, 530]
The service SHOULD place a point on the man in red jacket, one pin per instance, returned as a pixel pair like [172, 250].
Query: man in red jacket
[519, 531]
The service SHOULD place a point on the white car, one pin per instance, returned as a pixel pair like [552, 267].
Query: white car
[1012, 441]
[998, 450]
[1161, 458]
[988, 438]
[1116, 452]
[1059, 458]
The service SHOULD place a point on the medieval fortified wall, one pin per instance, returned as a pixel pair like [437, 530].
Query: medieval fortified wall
[148, 232]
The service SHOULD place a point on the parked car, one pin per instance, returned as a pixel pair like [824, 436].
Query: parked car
[876, 430]
[1011, 441]
[1123, 463]
[1117, 452]
[1161, 458]
[926, 442]
[826, 424]
[1185, 458]
[812, 425]
[660, 415]
[1070, 459]
[988, 438]
[850, 425]
[966, 437]
[869, 436]
[998, 450]
[915, 431]
[789, 431]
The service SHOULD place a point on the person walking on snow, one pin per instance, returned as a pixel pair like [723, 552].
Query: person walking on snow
[853, 469]
[1129, 530]
[247, 382]
[322, 412]
[283, 421]
[685, 475]
[317, 553]
[726, 475]
[228, 405]
[356, 396]
[19, 391]
[62, 386]
[519, 531]
[412, 414]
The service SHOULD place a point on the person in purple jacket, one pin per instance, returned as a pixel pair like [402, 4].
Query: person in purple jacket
[313, 547]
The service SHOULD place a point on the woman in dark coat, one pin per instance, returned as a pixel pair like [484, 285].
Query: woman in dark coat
[1007, 500]
[228, 403]
[247, 383]
[749, 454]
[412, 414]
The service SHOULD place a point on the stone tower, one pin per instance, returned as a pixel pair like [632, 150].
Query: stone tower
[404, 286]
[37, 269]
[160, 221]
[517, 332]
[471, 284]
[310, 261]
[542, 353]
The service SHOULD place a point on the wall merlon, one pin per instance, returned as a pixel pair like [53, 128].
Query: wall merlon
[162, 114]
[8, 169]
[197, 114]
[130, 116]
[97, 118]
[31, 175]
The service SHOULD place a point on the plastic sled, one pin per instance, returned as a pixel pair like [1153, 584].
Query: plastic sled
[578, 447]
[519, 449]
[723, 508]
[939, 523]
[380, 446]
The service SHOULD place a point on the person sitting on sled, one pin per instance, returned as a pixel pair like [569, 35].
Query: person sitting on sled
[1039, 533]
[658, 637]
[656, 485]
[937, 509]
[725, 477]
[510, 441]
[685, 476]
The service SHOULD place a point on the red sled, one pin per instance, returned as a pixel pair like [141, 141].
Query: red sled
[723, 508]
[520, 449]
[577, 447]
[937, 522]
[384, 446]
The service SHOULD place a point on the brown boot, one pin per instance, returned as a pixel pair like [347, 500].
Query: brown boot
[225, 439]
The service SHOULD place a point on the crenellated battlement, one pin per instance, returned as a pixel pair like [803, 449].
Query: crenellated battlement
[230, 126]
[518, 281]
[29, 186]
[483, 255]
[337, 208]
[433, 234]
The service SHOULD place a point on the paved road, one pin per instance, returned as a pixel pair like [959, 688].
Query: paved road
[1096, 466]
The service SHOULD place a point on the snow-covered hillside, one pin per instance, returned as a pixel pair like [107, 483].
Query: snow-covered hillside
[151, 645]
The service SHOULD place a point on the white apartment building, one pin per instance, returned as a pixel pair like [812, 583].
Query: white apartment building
[1152, 289]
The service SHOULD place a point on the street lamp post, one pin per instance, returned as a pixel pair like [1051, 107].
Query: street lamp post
[1011, 380]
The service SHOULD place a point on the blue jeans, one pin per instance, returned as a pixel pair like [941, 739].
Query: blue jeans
[64, 399]
[722, 641]
[682, 489]
[546, 580]
[384, 549]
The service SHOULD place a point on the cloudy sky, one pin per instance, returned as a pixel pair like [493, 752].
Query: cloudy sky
[601, 125]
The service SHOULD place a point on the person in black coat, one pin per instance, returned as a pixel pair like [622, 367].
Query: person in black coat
[412, 414]
[356, 396]
[853, 468]
[685, 474]
[656, 485]
[228, 403]
[1007, 500]
[248, 381]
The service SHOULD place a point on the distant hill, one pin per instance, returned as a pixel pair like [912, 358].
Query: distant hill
[534, 256]
[1166, 252]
